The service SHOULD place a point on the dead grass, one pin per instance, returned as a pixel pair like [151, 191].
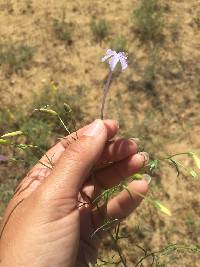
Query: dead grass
[157, 99]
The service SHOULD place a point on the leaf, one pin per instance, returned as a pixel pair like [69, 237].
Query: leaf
[47, 111]
[24, 146]
[175, 164]
[194, 174]
[162, 208]
[12, 134]
[4, 142]
[68, 108]
[153, 164]
[136, 176]
[196, 159]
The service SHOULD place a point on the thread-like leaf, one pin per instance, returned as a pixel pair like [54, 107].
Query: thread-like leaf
[12, 134]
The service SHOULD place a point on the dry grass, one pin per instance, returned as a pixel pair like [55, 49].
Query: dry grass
[157, 99]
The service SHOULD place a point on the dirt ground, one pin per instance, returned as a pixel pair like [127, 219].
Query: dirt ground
[163, 110]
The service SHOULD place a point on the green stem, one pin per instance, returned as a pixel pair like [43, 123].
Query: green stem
[63, 124]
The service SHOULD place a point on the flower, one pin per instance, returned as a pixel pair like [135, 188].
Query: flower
[113, 58]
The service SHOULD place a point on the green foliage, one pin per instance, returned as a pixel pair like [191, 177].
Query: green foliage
[54, 97]
[40, 128]
[63, 31]
[148, 19]
[38, 132]
[15, 57]
[119, 43]
[100, 29]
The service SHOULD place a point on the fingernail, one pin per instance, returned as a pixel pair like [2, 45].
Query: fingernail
[136, 140]
[95, 128]
[146, 178]
[146, 157]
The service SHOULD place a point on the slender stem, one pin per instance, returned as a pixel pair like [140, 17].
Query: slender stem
[174, 155]
[105, 92]
[63, 124]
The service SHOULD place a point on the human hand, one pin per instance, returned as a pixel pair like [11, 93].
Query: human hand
[46, 224]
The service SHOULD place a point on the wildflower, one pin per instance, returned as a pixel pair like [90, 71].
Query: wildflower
[113, 58]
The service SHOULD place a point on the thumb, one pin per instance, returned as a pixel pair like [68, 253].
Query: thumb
[76, 162]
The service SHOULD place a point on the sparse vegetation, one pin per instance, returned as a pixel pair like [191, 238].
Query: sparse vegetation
[100, 29]
[63, 31]
[148, 20]
[119, 43]
[15, 57]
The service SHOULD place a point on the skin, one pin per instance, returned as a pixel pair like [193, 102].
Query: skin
[46, 223]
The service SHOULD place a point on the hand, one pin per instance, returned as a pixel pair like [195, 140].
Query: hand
[46, 223]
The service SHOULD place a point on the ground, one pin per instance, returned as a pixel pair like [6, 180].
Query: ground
[54, 46]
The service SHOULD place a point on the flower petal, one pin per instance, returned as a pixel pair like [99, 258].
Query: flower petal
[113, 62]
[123, 62]
[109, 53]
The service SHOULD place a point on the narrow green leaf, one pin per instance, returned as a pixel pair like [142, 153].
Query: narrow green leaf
[12, 134]
[47, 111]
[24, 146]
[162, 208]
[193, 174]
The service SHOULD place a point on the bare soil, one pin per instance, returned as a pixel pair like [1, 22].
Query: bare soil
[163, 114]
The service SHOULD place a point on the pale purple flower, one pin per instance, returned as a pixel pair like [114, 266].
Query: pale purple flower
[113, 58]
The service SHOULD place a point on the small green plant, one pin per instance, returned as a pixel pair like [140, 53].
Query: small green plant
[63, 31]
[15, 58]
[119, 43]
[148, 20]
[100, 29]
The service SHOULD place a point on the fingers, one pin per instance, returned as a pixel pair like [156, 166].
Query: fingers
[117, 172]
[128, 200]
[53, 154]
[120, 206]
[117, 150]
[76, 162]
